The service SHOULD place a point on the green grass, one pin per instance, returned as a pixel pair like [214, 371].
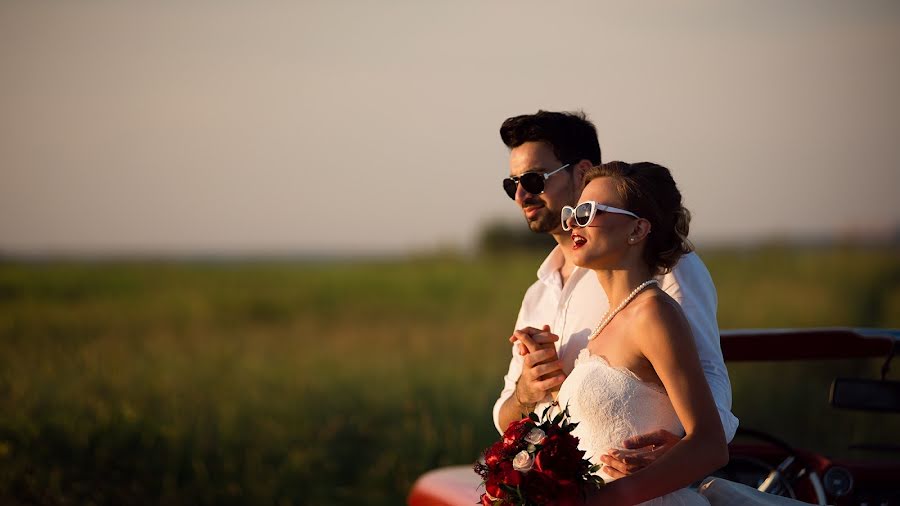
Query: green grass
[293, 383]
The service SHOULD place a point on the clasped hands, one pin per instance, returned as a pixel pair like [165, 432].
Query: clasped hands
[542, 374]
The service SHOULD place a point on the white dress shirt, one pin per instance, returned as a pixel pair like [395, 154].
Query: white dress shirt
[574, 310]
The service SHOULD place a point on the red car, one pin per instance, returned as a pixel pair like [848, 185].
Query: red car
[763, 460]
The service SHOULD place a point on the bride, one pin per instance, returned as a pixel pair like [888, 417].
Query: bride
[640, 371]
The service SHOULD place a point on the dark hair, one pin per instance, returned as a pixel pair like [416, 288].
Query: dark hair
[571, 135]
[649, 191]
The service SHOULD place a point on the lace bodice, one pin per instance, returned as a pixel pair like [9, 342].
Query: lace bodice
[611, 404]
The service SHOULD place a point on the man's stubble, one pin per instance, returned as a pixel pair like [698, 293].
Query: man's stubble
[547, 221]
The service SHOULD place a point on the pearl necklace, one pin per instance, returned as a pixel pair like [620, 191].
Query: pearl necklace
[610, 314]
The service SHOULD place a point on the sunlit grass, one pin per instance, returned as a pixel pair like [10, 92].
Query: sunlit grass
[293, 383]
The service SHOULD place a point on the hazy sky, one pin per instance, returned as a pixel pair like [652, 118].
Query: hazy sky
[372, 126]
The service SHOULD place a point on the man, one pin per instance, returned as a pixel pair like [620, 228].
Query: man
[549, 151]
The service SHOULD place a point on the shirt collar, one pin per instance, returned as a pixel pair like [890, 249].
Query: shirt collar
[548, 272]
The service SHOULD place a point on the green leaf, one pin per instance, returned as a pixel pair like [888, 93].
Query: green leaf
[533, 417]
[509, 489]
[546, 410]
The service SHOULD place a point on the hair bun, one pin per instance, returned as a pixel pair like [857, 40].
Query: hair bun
[648, 190]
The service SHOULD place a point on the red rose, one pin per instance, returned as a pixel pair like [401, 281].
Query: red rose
[486, 501]
[509, 475]
[516, 431]
[494, 454]
[492, 487]
[560, 457]
[504, 474]
[539, 488]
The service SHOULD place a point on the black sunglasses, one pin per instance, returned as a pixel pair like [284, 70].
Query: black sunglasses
[532, 182]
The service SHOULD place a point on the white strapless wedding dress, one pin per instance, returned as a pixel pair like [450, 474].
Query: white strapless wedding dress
[611, 404]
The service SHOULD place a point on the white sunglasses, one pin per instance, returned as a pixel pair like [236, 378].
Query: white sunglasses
[585, 212]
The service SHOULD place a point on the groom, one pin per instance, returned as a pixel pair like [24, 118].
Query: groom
[548, 153]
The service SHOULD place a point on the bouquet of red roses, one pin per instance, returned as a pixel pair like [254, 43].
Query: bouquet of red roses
[537, 462]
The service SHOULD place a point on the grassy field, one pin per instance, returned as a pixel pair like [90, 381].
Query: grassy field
[330, 383]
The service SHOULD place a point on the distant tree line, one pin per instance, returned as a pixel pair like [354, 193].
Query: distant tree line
[503, 237]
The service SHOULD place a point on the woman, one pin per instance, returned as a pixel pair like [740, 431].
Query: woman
[640, 371]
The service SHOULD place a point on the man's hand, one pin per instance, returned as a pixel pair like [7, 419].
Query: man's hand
[532, 339]
[542, 371]
[640, 452]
